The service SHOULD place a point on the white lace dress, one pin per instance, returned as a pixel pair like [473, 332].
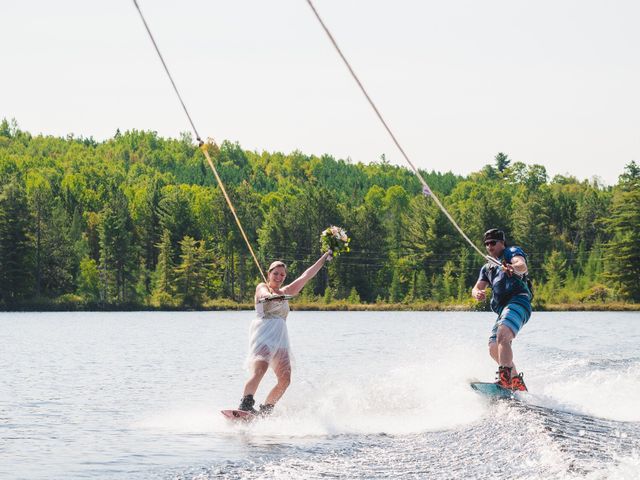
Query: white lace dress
[268, 336]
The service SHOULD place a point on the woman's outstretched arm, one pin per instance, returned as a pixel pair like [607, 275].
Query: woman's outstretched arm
[294, 287]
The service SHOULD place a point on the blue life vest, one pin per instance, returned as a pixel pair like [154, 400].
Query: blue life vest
[503, 286]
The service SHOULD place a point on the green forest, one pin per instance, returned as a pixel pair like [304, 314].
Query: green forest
[138, 221]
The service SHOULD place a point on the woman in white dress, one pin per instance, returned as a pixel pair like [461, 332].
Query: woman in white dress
[269, 340]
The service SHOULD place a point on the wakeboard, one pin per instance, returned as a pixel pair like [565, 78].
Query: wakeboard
[238, 415]
[492, 390]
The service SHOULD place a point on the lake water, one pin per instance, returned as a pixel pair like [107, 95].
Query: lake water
[373, 395]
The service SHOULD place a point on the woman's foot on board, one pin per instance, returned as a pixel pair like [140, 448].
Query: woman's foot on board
[266, 410]
[247, 403]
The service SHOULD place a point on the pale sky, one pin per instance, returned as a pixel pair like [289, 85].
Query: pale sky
[550, 82]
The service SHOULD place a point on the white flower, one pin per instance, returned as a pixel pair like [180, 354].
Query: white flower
[335, 238]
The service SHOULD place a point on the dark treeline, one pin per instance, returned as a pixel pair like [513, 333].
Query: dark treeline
[138, 220]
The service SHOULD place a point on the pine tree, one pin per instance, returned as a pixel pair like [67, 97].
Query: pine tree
[395, 290]
[502, 162]
[464, 263]
[531, 226]
[191, 273]
[353, 298]
[39, 197]
[594, 265]
[554, 268]
[5, 130]
[89, 280]
[622, 254]
[327, 298]
[117, 260]
[142, 283]
[59, 262]
[15, 244]
[55, 262]
[448, 281]
[422, 286]
[162, 293]
[437, 290]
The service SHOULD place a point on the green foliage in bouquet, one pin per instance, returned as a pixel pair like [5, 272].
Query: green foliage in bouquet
[335, 239]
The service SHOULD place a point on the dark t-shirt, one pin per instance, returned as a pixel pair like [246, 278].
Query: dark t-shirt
[503, 287]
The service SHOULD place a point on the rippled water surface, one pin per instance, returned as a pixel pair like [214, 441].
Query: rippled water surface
[374, 395]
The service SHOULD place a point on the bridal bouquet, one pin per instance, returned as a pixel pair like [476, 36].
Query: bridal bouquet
[334, 239]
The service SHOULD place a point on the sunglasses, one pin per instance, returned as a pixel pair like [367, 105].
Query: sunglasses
[490, 242]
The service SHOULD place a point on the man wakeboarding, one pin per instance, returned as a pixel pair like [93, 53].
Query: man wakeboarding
[511, 295]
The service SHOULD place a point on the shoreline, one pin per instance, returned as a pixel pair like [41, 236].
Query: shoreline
[317, 306]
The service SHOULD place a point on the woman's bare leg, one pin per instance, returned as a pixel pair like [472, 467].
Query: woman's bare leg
[282, 370]
[259, 369]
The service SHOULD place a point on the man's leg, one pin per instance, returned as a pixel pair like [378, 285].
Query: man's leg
[504, 353]
[510, 321]
[493, 351]
[496, 345]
